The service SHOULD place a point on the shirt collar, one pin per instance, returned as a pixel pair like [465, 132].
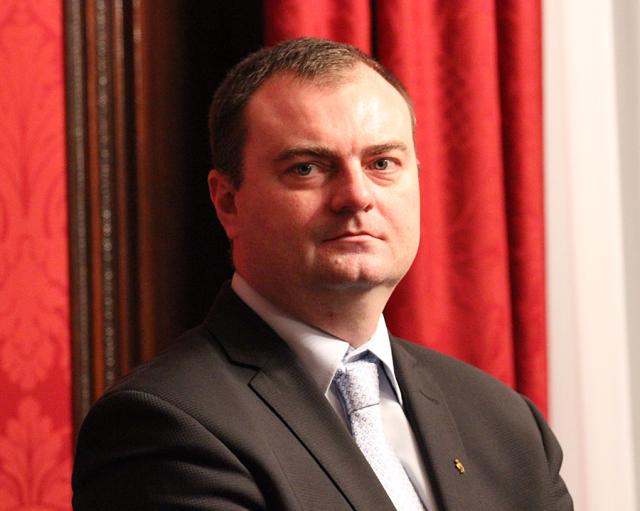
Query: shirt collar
[319, 352]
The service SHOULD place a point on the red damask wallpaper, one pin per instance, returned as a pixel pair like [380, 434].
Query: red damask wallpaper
[35, 388]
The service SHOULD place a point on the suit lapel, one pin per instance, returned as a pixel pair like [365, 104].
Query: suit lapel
[282, 383]
[436, 432]
[306, 411]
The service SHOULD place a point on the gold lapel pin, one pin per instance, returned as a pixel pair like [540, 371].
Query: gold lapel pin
[459, 466]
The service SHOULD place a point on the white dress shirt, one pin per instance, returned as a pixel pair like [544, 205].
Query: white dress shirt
[320, 354]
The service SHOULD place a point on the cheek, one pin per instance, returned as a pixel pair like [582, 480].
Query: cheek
[272, 220]
[404, 215]
[282, 220]
[411, 200]
[297, 212]
[405, 201]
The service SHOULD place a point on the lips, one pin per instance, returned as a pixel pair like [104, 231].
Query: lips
[354, 236]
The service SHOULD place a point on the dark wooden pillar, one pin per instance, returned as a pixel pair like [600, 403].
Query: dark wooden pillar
[126, 117]
[146, 252]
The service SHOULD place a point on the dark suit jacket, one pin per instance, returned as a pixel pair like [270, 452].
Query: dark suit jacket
[228, 420]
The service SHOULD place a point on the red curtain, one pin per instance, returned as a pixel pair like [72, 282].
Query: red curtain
[473, 69]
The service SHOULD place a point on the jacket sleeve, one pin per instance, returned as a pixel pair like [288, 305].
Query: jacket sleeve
[138, 452]
[561, 499]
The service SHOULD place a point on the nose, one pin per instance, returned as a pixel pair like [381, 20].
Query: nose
[352, 190]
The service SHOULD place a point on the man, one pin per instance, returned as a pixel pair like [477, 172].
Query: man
[292, 395]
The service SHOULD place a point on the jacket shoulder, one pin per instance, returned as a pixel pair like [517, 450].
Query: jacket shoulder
[454, 373]
[498, 426]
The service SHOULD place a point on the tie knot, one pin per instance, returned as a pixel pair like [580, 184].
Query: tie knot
[357, 382]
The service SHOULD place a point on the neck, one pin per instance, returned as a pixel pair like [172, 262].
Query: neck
[352, 317]
[350, 314]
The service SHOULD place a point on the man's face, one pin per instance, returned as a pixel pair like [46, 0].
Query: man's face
[330, 197]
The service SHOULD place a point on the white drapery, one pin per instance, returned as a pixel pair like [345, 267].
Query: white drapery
[592, 191]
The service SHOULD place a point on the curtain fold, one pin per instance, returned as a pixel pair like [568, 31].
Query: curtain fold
[476, 290]
[348, 21]
[520, 57]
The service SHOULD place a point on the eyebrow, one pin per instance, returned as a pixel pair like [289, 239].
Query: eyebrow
[312, 151]
[386, 148]
[322, 152]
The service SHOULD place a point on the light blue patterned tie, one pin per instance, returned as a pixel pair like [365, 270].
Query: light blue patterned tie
[357, 382]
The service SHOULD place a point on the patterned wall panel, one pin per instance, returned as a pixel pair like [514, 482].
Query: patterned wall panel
[35, 388]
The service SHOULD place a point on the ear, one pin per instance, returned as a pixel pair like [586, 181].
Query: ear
[223, 196]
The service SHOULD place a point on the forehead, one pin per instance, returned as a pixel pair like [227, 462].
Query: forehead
[356, 103]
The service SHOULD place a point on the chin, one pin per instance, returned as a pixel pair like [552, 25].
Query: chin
[356, 271]
[362, 279]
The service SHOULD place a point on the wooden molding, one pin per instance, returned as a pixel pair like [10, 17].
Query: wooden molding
[102, 202]
[146, 253]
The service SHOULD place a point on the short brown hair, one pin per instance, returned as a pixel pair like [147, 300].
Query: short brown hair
[308, 58]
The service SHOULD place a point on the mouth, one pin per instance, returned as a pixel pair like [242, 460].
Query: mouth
[354, 237]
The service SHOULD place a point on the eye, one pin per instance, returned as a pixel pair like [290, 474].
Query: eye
[303, 169]
[381, 164]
